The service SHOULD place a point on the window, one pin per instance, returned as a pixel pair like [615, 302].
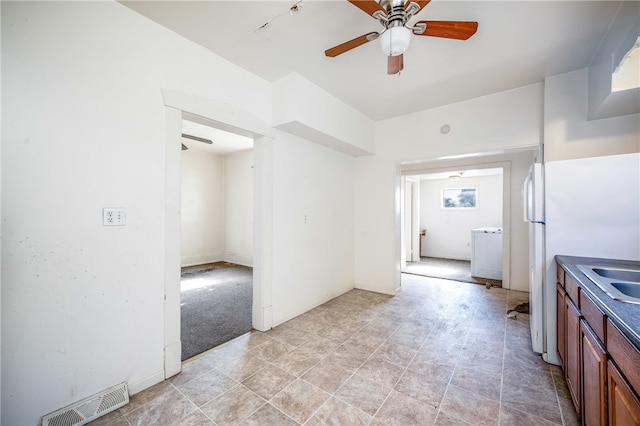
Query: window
[459, 198]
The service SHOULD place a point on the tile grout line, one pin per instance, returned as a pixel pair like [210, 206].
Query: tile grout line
[196, 405]
[331, 395]
[504, 349]
[555, 387]
[455, 368]
[397, 381]
[356, 370]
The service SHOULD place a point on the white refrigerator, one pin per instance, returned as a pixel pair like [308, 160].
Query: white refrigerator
[591, 209]
[533, 195]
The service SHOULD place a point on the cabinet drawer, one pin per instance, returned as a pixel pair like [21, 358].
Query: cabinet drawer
[560, 275]
[593, 315]
[624, 354]
[572, 290]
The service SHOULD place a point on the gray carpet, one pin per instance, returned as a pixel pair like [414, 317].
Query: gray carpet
[216, 304]
[448, 269]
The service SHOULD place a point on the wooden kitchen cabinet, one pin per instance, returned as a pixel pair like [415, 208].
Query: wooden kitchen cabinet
[594, 378]
[572, 370]
[624, 405]
[600, 363]
[561, 339]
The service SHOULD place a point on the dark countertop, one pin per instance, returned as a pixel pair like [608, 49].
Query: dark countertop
[625, 315]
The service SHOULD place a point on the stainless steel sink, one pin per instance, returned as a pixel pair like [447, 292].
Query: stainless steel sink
[630, 289]
[618, 274]
[618, 283]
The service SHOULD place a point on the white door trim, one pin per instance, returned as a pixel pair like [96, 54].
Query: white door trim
[506, 212]
[233, 119]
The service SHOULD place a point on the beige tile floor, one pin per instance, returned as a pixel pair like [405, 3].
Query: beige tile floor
[439, 353]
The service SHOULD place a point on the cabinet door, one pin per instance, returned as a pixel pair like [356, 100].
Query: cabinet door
[624, 405]
[561, 339]
[572, 369]
[594, 378]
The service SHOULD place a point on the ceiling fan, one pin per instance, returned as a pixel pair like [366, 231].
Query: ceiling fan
[195, 138]
[394, 15]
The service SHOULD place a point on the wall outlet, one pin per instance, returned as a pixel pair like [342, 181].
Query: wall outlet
[114, 216]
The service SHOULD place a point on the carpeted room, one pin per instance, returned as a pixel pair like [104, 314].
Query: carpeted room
[215, 304]
[217, 236]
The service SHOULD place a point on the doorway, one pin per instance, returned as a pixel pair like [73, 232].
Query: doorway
[227, 117]
[452, 204]
[216, 250]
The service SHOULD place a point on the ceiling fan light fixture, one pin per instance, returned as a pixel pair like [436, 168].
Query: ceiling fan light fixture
[395, 40]
[455, 177]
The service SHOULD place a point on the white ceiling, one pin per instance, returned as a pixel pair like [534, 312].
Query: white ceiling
[462, 172]
[518, 43]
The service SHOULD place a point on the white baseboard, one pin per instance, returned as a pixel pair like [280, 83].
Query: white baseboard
[201, 260]
[140, 385]
[172, 359]
[238, 259]
[446, 256]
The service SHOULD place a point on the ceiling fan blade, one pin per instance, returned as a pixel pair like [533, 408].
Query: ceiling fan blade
[197, 138]
[421, 3]
[351, 44]
[395, 64]
[448, 29]
[370, 7]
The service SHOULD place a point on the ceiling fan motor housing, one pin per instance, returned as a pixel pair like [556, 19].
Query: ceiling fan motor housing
[396, 37]
[394, 16]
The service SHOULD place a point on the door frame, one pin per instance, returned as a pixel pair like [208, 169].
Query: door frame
[410, 221]
[443, 166]
[235, 120]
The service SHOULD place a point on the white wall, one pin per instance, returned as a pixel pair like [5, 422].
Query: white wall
[217, 207]
[567, 131]
[502, 121]
[569, 135]
[82, 304]
[313, 210]
[203, 223]
[296, 103]
[622, 36]
[238, 208]
[85, 131]
[449, 230]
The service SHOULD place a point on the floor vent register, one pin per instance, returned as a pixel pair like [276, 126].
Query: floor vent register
[82, 412]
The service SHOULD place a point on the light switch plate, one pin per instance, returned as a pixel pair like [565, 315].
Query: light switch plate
[114, 216]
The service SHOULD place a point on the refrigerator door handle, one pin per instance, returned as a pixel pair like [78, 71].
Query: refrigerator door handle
[526, 199]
